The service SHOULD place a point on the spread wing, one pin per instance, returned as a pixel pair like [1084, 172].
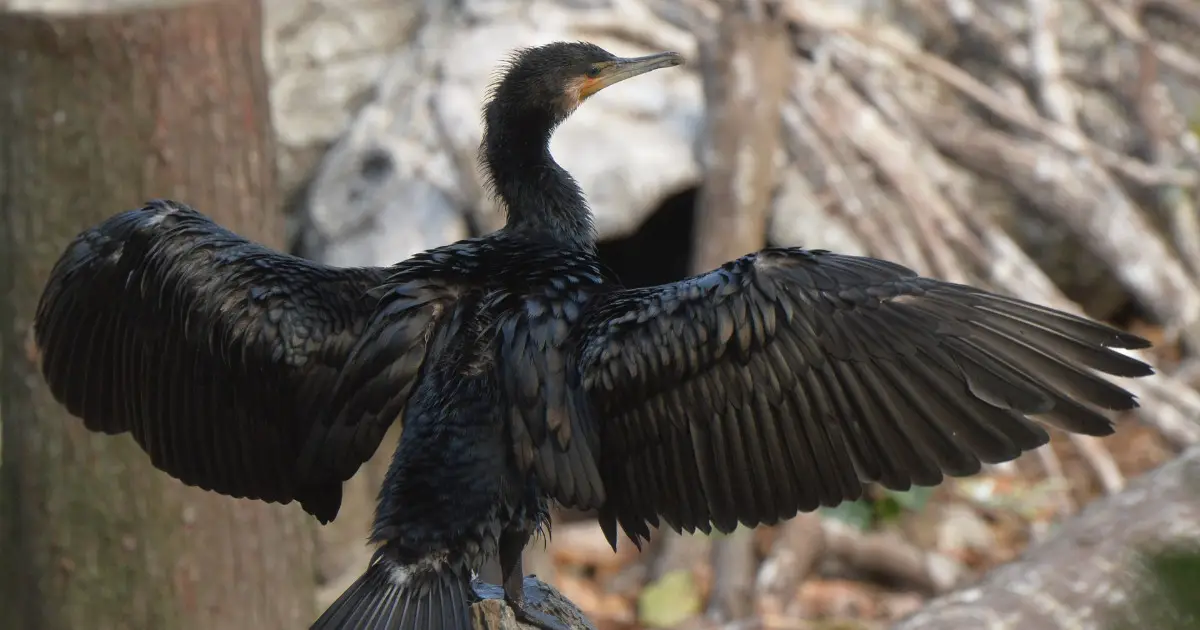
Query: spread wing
[784, 380]
[216, 354]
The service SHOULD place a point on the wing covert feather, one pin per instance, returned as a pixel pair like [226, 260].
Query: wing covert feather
[531, 345]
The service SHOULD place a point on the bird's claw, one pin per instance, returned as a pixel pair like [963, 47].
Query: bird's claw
[535, 618]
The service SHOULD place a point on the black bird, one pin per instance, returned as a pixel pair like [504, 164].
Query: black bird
[523, 372]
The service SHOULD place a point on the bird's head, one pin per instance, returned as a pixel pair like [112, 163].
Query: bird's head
[543, 85]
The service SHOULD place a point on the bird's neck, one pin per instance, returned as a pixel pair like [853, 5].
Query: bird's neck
[540, 197]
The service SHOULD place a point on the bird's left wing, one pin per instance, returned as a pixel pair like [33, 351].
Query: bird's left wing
[783, 380]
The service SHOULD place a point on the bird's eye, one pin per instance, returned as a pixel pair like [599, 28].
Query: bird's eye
[594, 72]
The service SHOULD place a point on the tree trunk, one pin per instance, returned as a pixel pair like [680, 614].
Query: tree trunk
[745, 74]
[98, 113]
[1084, 575]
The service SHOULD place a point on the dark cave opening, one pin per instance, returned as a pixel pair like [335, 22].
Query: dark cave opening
[659, 250]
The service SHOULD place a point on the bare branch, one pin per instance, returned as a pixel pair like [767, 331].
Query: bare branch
[1127, 25]
[1064, 137]
[1058, 481]
[795, 552]
[1101, 461]
[1055, 97]
[887, 554]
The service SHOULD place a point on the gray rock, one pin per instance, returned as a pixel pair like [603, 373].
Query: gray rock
[630, 147]
[798, 218]
[324, 58]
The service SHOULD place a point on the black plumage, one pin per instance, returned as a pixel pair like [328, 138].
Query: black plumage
[523, 372]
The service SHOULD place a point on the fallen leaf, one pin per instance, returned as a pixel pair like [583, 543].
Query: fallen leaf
[671, 600]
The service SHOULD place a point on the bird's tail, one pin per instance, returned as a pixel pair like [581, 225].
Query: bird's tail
[391, 595]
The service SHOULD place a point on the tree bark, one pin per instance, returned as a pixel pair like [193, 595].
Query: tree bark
[1073, 579]
[99, 112]
[745, 77]
[746, 73]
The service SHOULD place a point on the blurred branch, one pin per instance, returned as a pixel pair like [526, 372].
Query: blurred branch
[746, 72]
[1054, 472]
[815, 15]
[1053, 94]
[733, 568]
[836, 108]
[1101, 461]
[796, 550]
[1065, 581]
[887, 554]
[1127, 25]
[1160, 121]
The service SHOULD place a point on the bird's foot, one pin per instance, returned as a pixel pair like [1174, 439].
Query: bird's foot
[535, 618]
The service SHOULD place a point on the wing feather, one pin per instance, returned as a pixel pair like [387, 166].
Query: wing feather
[213, 352]
[785, 380]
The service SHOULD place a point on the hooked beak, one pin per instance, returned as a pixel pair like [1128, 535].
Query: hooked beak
[629, 67]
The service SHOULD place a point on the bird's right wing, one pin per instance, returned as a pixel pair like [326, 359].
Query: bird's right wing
[218, 354]
[784, 380]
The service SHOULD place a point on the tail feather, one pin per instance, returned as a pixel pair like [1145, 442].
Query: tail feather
[395, 596]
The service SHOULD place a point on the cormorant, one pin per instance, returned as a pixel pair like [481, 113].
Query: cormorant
[524, 372]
